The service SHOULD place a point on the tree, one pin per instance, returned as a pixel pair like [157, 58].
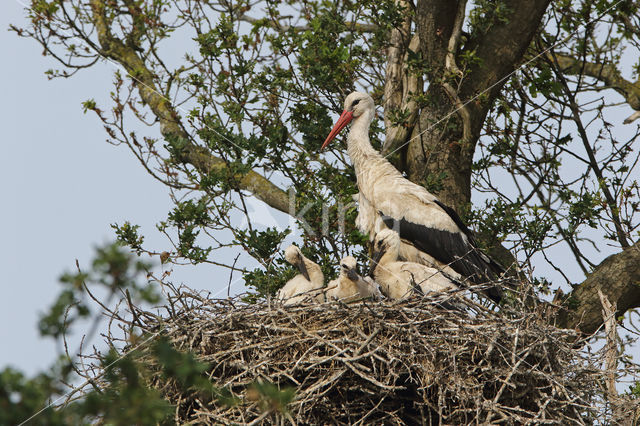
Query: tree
[472, 94]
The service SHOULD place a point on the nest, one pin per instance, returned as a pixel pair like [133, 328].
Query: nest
[409, 362]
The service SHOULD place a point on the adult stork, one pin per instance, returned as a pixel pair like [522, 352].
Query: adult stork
[432, 233]
[307, 285]
[398, 279]
[351, 286]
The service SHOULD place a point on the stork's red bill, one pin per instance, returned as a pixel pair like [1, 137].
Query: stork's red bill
[345, 118]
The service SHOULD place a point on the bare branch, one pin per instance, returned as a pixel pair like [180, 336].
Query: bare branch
[633, 117]
[607, 73]
[169, 119]
[611, 351]
[611, 201]
[616, 277]
[454, 40]
[393, 85]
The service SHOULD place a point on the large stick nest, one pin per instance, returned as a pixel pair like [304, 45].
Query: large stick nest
[410, 362]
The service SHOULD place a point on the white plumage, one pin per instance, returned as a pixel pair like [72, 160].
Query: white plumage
[400, 279]
[307, 285]
[370, 222]
[431, 233]
[350, 286]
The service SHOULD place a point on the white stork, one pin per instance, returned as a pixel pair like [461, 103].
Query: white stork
[350, 286]
[307, 285]
[432, 233]
[399, 279]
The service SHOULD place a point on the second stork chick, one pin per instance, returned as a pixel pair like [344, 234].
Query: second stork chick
[351, 286]
[307, 285]
[400, 279]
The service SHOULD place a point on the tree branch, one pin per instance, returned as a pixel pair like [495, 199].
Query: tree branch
[398, 41]
[496, 51]
[595, 165]
[454, 40]
[617, 277]
[199, 157]
[611, 350]
[503, 45]
[400, 88]
[607, 73]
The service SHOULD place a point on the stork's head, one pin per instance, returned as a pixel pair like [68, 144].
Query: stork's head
[348, 262]
[293, 255]
[358, 103]
[387, 240]
[355, 105]
[385, 245]
[348, 267]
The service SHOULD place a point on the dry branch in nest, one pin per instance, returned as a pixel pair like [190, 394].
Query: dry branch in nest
[409, 362]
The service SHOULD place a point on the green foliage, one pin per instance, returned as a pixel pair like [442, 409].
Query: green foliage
[113, 271]
[64, 311]
[20, 398]
[435, 182]
[261, 244]
[189, 373]
[498, 219]
[634, 390]
[400, 117]
[312, 121]
[189, 217]
[89, 105]
[584, 209]
[271, 397]
[175, 146]
[42, 9]
[263, 88]
[125, 399]
[127, 234]
[544, 83]
[263, 82]
[268, 281]
[126, 396]
[486, 14]
[115, 268]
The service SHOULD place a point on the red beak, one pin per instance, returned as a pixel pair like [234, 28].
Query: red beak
[344, 119]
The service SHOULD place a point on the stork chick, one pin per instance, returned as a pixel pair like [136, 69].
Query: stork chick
[306, 285]
[350, 286]
[399, 279]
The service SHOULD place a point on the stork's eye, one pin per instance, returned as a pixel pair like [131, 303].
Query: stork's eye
[353, 105]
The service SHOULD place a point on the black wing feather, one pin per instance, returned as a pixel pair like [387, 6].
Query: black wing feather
[496, 268]
[456, 218]
[449, 248]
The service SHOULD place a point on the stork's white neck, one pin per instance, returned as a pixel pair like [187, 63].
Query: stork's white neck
[358, 143]
[365, 159]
